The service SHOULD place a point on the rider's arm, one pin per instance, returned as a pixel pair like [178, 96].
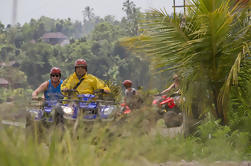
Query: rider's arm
[168, 89]
[178, 91]
[66, 85]
[43, 87]
[102, 85]
[107, 89]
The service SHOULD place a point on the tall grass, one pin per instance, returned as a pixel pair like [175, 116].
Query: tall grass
[126, 142]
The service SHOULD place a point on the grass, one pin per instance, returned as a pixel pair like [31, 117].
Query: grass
[127, 142]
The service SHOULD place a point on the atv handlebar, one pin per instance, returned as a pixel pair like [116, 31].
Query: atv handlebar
[69, 92]
[38, 99]
[99, 91]
[159, 94]
[102, 91]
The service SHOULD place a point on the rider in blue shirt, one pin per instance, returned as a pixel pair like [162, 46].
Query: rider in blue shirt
[51, 88]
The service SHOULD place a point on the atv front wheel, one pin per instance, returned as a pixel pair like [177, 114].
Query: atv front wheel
[58, 117]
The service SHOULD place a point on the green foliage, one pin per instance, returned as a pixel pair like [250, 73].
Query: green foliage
[1, 27]
[17, 95]
[240, 116]
[240, 112]
[232, 144]
[89, 20]
[15, 77]
[207, 46]
[211, 129]
[127, 142]
[106, 31]
[131, 20]
[5, 93]
[35, 61]
[36, 28]
[8, 52]
[115, 90]
[96, 40]
[2, 34]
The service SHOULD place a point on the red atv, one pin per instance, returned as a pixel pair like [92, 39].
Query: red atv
[168, 110]
[124, 108]
[135, 103]
[165, 103]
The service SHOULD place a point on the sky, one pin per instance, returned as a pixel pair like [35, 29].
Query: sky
[63, 9]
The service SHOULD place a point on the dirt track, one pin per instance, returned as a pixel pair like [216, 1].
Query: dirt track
[143, 161]
[195, 163]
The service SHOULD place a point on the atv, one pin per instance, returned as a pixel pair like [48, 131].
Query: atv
[41, 111]
[86, 107]
[167, 109]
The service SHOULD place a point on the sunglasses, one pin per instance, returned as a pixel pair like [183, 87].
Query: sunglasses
[55, 75]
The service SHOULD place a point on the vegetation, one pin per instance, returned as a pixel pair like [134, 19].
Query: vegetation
[98, 45]
[127, 143]
[209, 48]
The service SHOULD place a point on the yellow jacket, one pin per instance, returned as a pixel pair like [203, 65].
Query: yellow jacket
[87, 86]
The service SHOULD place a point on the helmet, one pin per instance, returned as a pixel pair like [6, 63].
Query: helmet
[55, 70]
[127, 83]
[80, 62]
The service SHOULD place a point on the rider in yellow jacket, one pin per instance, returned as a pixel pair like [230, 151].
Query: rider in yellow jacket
[88, 84]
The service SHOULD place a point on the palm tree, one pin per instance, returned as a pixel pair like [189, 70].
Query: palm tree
[207, 46]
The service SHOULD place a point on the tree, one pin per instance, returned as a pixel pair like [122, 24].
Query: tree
[132, 17]
[105, 31]
[35, 62]
[1, 27]
[89, 20]
[207, 47]
[39, 31]
[88, 14]
[16, 78]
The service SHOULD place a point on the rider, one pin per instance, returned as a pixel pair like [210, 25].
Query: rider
[129, 91]
[51, 88]
[175, 87]
[83, 82]
[131, 96]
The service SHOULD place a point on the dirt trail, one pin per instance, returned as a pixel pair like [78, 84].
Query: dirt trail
[145, 162]
[195, 163]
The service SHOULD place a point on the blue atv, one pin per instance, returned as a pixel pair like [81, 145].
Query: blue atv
[87, 107]
[41, 110]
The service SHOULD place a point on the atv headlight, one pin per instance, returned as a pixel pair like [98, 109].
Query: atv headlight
[67, 110]
[108, 110]
[35, 113]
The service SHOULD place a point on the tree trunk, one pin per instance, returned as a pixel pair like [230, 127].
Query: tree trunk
[218, 106]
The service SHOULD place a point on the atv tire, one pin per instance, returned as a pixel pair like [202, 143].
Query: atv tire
[28, 121]
[58, 117]
[172, 119]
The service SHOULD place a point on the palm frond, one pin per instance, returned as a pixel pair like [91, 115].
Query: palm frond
[232, 78]
[206, 46]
